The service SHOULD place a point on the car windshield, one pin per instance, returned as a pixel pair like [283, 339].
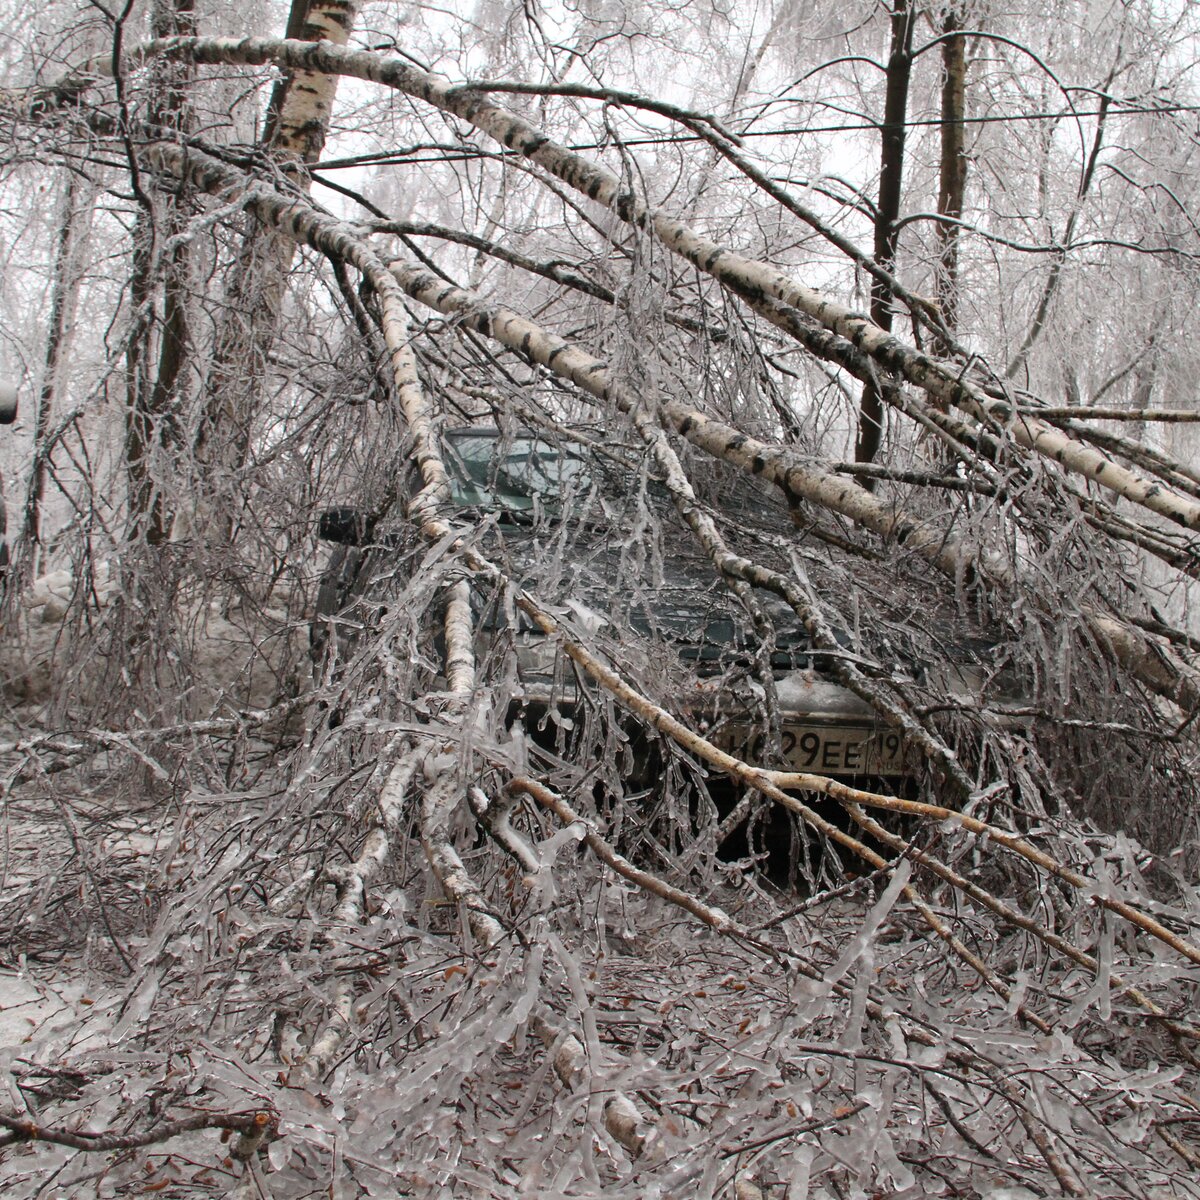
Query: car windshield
[513, 474]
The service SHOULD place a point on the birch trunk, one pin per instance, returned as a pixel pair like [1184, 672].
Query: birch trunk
[296, 127]
[953, 168]
[946, 383]
[73, 229]
[1149, 661]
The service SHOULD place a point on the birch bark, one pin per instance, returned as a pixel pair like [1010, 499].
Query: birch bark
[150, 422]
[947, 383]
[296, 127]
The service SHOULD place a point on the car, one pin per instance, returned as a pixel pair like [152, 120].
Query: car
[562, 516]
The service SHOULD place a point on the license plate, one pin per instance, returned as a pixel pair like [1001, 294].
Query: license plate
[827, 749]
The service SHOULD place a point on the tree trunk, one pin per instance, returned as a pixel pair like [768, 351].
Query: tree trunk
[77, 203]
[297, 122]
[953, 170]
[149, 428]
[891, 178]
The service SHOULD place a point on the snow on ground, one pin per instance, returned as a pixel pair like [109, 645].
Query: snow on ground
[33, 1007]
[223, 654]
[54, 844]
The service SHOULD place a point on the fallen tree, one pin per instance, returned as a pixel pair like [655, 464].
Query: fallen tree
[395, 932]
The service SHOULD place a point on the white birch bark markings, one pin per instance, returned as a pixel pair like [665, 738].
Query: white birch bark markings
[1151, 663]
[944, 382]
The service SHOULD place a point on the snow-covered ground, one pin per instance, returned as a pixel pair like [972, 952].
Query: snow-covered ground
[33, 1007]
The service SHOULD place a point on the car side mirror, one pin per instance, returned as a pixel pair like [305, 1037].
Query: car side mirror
[8, 404]
[345, 525]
